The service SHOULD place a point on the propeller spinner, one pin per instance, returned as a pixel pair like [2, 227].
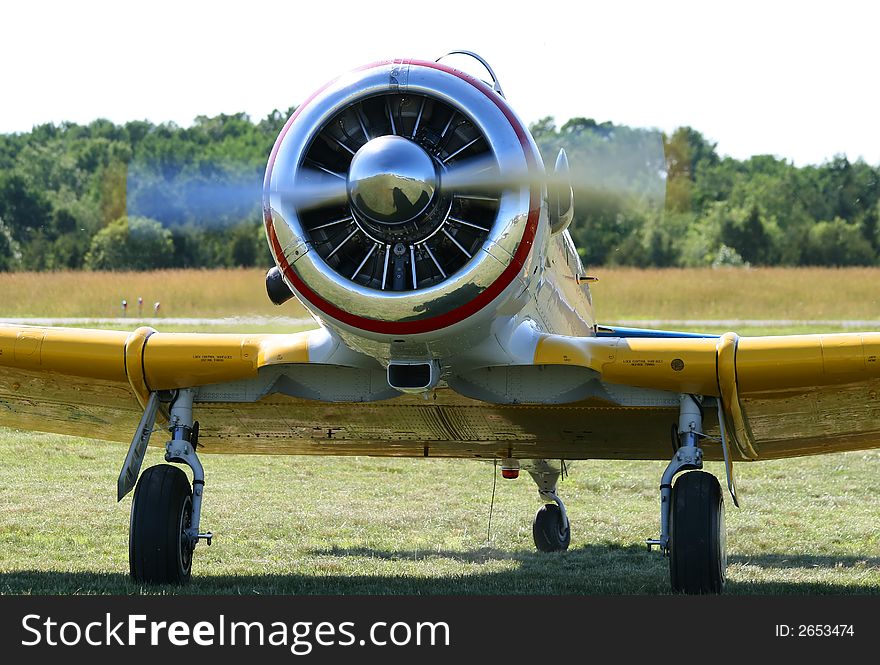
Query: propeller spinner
[391, 180]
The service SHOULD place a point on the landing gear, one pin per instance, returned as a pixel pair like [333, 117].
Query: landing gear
[552, 533]
[692, 512]
[697, 553]
[551, 529]
[159, 549]
[165, 512]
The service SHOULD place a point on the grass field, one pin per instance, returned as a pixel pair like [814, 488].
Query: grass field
[375, 526]
[731, 293]
[620, 294]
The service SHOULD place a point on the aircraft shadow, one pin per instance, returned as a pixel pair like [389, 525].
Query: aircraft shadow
[588, 570]
[486, 554]
[780, 560]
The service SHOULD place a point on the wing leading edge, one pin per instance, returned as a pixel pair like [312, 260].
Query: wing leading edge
[782, 396]
[95, 383]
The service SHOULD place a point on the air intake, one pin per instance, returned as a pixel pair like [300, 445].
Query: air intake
[413, 376]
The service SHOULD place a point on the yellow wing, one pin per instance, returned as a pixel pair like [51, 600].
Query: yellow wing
[782, 396]
[95, 383]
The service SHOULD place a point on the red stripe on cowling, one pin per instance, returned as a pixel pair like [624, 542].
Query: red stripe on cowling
[441, 320]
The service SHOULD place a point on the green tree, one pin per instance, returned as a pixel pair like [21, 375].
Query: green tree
[243, 247]
[745, 232]
[686, 151]
[838, 243]
[23, 207]
[130, 243]
[10, 253]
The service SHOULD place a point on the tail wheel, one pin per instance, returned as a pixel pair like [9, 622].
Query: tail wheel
[159, 549]
[550, 530]
[698, 557]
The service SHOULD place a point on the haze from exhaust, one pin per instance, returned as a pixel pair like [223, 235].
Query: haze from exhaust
[791, 79]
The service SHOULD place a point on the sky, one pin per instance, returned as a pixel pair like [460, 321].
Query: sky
[794, 79]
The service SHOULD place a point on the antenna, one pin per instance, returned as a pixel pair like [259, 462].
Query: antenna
[495, 85]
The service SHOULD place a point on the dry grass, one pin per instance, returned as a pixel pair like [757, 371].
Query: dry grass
[209, 293]
[731, 293]
[621, 293]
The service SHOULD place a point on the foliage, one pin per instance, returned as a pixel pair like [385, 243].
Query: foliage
[64, 188]
[130, 243]
[641, 197]
[10, 254]
[712, 210]
[837, 243]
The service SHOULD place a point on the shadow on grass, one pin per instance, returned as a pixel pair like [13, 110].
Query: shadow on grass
[589, 570]
[778, 560]
[487, 554]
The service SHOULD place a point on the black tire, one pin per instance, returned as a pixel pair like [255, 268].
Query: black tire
[548, 530]
[698, 554]
[158, 550]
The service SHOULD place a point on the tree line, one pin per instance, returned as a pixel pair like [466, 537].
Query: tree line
[145, 196]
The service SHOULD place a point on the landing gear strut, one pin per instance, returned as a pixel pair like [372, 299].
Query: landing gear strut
[692, 531]
[165, 512]
[551, 529]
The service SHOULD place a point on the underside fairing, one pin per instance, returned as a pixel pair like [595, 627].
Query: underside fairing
[449, 425]
[443, 425]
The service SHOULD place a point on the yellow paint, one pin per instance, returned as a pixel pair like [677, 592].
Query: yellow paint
[803, 361]
[96, 354]
[284, 349]
[782, 396]
[145, 359]
[677, 364]
[804, 378]
[134, 368]
[182, 360]
[737, 429]
[815, 419]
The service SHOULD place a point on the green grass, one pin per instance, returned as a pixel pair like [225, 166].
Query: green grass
[386, 526]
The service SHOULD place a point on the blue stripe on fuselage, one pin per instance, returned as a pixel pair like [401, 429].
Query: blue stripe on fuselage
[615, 331]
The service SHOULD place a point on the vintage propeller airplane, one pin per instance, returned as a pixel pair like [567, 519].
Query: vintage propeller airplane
[408, 209]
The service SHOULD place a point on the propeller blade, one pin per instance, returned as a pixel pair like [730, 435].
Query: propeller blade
[585, 176]
[313, 190]
[483, 173]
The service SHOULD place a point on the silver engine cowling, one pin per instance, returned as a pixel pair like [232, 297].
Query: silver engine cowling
[392, 246]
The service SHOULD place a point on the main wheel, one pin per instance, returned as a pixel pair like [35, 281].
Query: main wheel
[159, 551]
[698, 557]
[549, 530]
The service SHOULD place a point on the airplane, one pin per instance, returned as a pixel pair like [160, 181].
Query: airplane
[408, 209]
